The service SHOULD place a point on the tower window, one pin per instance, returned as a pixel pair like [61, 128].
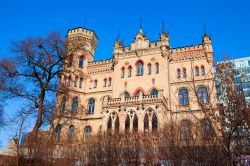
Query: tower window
[81, 61]
[157, 68]
[129, 71]
[109, 83]
[184, 73]
[91, 106]
[81, 82]
[122, 72]
[75, 104]
[105, 82]
[178, 73]
[63, 105]
[95, 84]
[149, 69]
[202, 70]
[196, 71]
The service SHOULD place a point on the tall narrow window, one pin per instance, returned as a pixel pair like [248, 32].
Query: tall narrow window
[135, 124]
[183, 97]
[139, 68]
[81, 61]
[117, 125]
[63, 105]
[81, 82]
[184, 73]
[91, 106]
[149, 69]
[75, 104]
[127, 124]
[105, 82]
[109, 125]
[202, 70]
[146, 123]
[69, 80]
[178, 73]
[95, 84]
[71, 131]
[70, 60]
[203, 95]
[185, 130]
[109, 83]
[154, 122]
[87, 133]
[129, 71]
[196, 71]
[122, 72]
[58, 132]
[75, 82]
[157, 69]
[91, 84]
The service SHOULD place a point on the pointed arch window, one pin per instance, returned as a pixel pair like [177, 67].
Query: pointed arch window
[196, 71]
[149, 68]
[75, 104]
[154, 123]
[135, 124]
[185, 130]
[95, 84]
[91, 106]
[63, 105]
[71, 131]
[58, 132]
[202, 70]
[109, 125]
[178, 73]
[127, 124]
[139, 68]
[122, 72]
[117, 125]
[184, 73]
[109, 83]
[157, 68]
[81, 61]
[91, 84]
[146, 123]
[154, 92]
[129, 71]
[81, 83]
[105, 82]
[183, 97]
[75, 82]
[203, 95]
[87, 133]
[126, 94]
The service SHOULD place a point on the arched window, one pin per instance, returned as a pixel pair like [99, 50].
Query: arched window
[185, 130]
[149, 68]
[154, 92]
[58, 132]
[75, 104]
[129, 71]
[184, 73]
[202, 70]
[135, 124]
[154, 122]
[69, 80]
[146, 123]
[122, 72]
[183, 97]
[126, 94]
[70, 60]
[71, 133]
[206, 129]
[139, 68]
[81, 61]
[95, 84]
[202, 95]
[87, 133]
[63, 105]
[109, 83]
[109, 125]
[196, 71]
[105, 82]
[90, 84]
[91, 106]
[178, 73]
[127, 124]
[138, 93]
[75, 81]
[157, 69]
[81, 82]
[117, 125]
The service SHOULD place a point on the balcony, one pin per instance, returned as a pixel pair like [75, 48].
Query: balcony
[141, 99]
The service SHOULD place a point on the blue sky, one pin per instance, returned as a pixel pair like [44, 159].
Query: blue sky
[227, 21]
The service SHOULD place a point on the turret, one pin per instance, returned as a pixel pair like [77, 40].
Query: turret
[207, 45]
[85, 41]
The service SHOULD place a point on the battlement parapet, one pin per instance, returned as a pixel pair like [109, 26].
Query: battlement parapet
[81, 31]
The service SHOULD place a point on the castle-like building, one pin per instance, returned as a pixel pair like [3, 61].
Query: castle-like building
[145, 86]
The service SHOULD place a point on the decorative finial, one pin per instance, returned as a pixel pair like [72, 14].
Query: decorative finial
[118, 36]
[163, 26]
[140, 26]
[205, 29]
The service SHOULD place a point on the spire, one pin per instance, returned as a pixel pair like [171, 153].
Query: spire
[118, 42]
[163, 27]
[140, 30]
